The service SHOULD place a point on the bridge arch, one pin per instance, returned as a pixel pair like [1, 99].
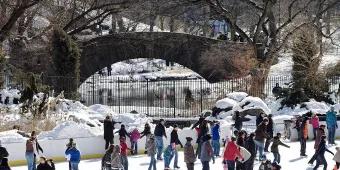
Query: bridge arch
[184, 49]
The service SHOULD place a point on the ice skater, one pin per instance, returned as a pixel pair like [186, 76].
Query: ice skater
[275, 148]
[189, 154]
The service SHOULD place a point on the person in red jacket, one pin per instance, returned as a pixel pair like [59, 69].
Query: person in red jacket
[231, 152]
[123, 153]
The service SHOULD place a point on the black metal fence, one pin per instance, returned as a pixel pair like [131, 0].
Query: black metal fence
[164, 98]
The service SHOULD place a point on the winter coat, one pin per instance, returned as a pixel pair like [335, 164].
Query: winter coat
[74, 153]
[160, 130]
[304, 131]
[44, 166]
[265, 165]
[261, 132]
[3, 153]
[174, 138]
[189, 153]
[115, 158]
[250, 146]
[336, 157]
[331, 119]
[319, 133]
[134, 135]
[259, 120]
[276, 143]
[215, 131]
[151, 147]
[146, 131]
[231, 152]
[238, 123]
[322, 149]
[4, 164]
[206, 151]
[33, 146]
[106, 160]
[123, 148]
[270, 128]
[240, 141]
[123, 133]
[314, 121]
[108, 129]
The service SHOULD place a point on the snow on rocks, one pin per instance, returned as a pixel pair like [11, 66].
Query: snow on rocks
[225, 103]
[251, 102]
[69, 129]
[237, 96]
[11, 94]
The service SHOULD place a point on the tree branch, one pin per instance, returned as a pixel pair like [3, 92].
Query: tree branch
[253, 4]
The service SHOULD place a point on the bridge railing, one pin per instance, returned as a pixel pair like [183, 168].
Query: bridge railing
[161, 98]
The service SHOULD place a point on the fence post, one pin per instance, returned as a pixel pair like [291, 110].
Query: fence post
[147, 96]
[118, 95]
[93, 83]
[201, 97]
[173, 82]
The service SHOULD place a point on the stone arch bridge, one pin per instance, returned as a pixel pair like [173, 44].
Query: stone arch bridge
[187, 50]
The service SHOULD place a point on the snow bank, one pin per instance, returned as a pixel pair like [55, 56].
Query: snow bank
[251, 102]
[238, 96]
[70, 129]
[225, 103]
[11, 137]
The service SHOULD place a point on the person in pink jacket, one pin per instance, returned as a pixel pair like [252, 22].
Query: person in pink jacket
[314, 121]
[134, 136]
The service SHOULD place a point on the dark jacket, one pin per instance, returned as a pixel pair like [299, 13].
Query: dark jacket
[4, 164]
[174, 138]
[261, 132]
[276, 143]
[259, 120]
[146, 131]
[322, 149]
[240, 141]
[319, 133]
[123, 133]
[160, 130]
[270, 128]
[238, 123]
[3, 153]
[108, 129]
[45, 166]
[251, 147]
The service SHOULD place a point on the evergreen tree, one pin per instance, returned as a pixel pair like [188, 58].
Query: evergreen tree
[66, 56]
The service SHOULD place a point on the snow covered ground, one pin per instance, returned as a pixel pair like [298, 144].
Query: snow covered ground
[290, 159]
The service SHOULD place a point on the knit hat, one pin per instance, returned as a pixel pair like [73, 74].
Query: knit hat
[188, 139]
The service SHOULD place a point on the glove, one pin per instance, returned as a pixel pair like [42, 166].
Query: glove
[224, 162]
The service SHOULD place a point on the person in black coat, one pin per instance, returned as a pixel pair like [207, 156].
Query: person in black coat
[270, 132]
[203, 130]
[251, 147]
[108, 131]
[3, 158]
[321, 154]
[122, 132]
[44, 165]
[259, 118]
[238, 121]
[146, 132]
[159, 133]
[174, 139]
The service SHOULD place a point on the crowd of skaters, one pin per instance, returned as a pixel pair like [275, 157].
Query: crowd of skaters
[240, 149]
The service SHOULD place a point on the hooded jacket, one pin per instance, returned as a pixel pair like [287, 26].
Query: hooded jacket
[189, 153]
[276, 143]
[331, 119]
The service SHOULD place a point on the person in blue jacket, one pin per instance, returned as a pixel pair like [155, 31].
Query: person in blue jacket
[74, 156]
[215, 131]
[332, 125]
